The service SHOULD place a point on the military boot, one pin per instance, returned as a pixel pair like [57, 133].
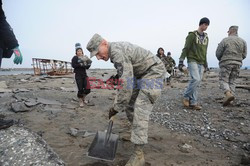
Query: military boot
[137, 158]
[228, 98]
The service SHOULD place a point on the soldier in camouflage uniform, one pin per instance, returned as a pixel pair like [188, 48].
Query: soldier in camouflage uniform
[230, 53]
[132, 63]
[170, 63]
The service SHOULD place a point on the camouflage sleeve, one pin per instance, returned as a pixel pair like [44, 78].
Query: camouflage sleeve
[124, 71]
[88, 60]
[173, 62]
[188, 44]
[244, 51]
[220, 50]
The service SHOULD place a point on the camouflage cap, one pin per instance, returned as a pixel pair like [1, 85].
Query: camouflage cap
[93, 44]
[234, 27]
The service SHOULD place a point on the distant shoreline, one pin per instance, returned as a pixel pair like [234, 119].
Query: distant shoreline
[16, 69]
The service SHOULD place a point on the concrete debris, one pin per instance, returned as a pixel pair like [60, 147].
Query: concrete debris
[45, 101]
[186, 148]
[19, 146]
[19, 107]
[20, 90]
[4, 87]
[79, 133]
[31, 102]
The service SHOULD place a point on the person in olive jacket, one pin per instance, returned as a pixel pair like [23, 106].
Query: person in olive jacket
[81, 63]
[195, 50]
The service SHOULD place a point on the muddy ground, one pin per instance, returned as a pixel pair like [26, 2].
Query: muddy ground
[215, 135]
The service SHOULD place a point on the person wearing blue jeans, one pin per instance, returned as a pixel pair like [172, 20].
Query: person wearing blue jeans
[196, 73]
[195, 50]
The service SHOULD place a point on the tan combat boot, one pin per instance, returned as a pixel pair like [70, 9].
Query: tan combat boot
[185, 102]
[137, 158]
[81, 103]
[195, 107]
[228, 98]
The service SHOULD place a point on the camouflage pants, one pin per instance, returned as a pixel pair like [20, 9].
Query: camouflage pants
[141, 105]
[227, 76]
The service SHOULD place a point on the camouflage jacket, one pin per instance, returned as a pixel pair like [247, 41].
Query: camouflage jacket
[131, 61]
[231, 50]
[170, 63]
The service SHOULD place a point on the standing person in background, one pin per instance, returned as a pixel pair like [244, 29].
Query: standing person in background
[160, 54]
[230, 53]
[169, 66]
[8, 45]
[195, 50]
[81, 63]
[170, 63]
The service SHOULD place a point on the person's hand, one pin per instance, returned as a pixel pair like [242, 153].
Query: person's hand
[113, 79]
[18, 56]
[205, 66]
[112, 112]
[181, 65]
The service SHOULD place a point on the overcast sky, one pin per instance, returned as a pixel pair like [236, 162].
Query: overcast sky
[50, 28]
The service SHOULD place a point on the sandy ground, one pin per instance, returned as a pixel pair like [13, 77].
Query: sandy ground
[215, 135]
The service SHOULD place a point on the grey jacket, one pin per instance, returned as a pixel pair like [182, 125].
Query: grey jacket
[231, 50]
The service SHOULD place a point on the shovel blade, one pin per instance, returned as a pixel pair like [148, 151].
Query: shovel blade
[101, 149]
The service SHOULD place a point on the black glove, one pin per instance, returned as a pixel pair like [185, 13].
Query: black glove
[112, 112]
[113, 79]
[180, 66]
[88, 64]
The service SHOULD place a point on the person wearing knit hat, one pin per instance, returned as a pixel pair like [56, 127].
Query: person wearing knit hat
[81, 63]
[195, 50]
[169, 66]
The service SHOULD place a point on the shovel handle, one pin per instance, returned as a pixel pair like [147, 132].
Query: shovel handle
[109, 129]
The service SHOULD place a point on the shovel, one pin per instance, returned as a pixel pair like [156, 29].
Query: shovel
[104, 144]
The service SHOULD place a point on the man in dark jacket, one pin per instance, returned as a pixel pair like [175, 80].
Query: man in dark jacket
[8, 45]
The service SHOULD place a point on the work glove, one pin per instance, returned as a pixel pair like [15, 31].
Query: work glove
[88, 63]
[113, 79]
[18, 56]
[181, 65]
[81, 62]
[112, 112]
